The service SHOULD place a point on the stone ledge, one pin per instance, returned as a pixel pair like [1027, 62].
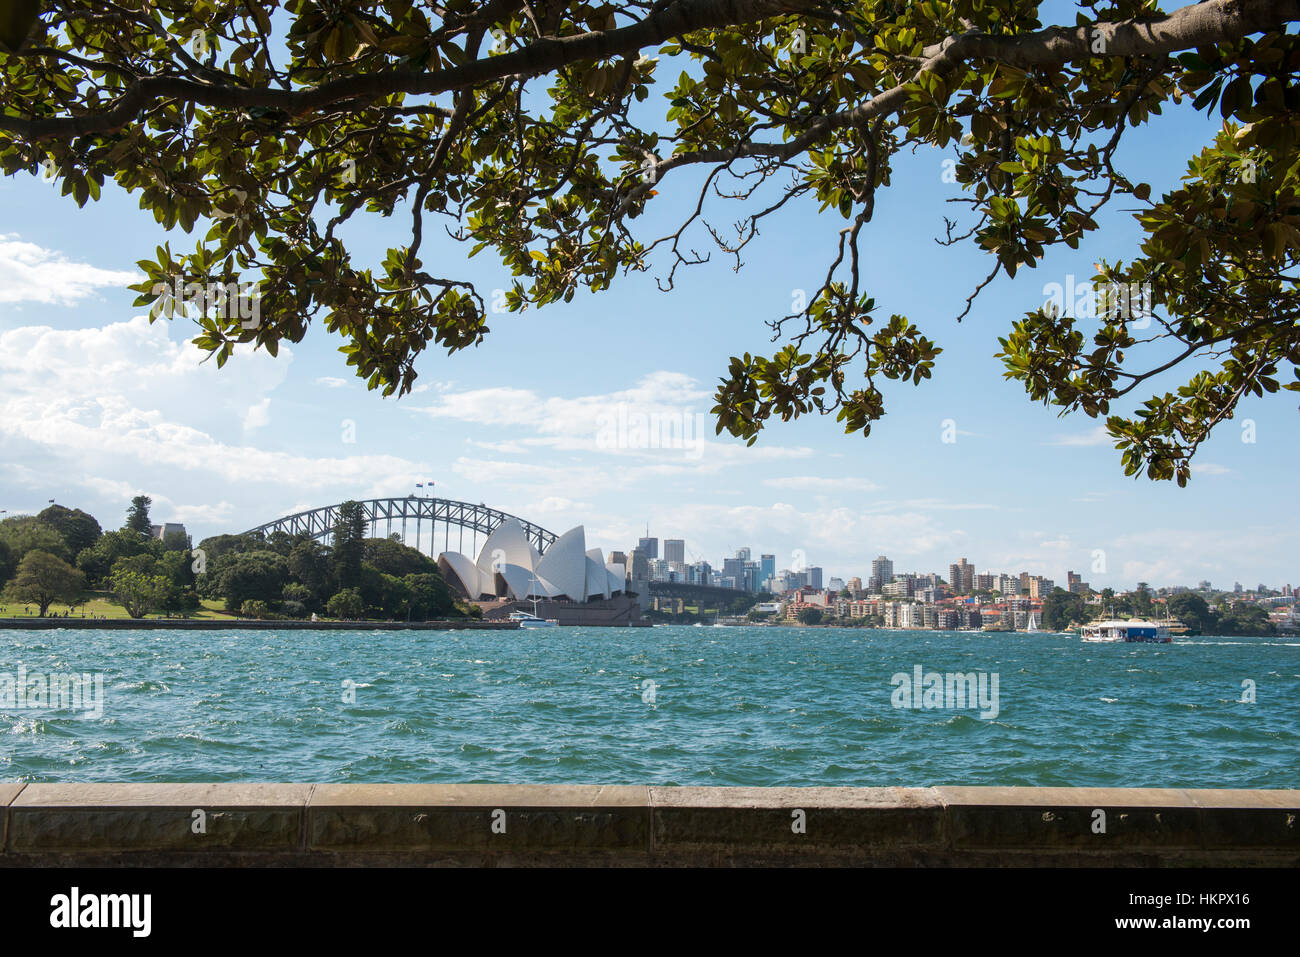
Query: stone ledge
[509, 825]
[63, 818]
[477, 817]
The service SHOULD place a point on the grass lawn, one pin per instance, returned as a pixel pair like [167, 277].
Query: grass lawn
[98, 605]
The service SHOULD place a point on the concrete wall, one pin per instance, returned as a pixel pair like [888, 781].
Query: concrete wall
[482, 824]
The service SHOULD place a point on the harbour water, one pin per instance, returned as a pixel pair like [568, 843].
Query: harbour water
[668, 705]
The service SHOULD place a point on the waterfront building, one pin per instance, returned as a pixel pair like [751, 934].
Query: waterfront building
[911, 615]
[508, 566]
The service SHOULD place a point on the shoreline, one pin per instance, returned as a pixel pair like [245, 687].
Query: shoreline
[246, 624]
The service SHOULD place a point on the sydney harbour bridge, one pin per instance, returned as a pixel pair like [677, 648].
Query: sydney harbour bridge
[421, 523]
[426, 524]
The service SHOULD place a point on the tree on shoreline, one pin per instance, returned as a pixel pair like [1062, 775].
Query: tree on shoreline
[43, 579]
[526, 134]
[139, 593]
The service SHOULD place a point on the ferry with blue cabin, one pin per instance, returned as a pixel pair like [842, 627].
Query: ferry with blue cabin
[1134, 629]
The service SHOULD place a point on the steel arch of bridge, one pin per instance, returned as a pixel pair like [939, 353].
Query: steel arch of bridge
[479, 519]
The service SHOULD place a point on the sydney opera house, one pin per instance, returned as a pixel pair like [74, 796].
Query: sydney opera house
[509, 569]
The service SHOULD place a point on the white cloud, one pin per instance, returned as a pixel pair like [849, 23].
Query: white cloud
[1096, 436]
[258, 415]
[331, 382]
[817, 483]
[101, 408]
[663, 418]
[30, 273]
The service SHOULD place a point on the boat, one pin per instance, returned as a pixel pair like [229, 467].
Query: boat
[529, 620]
[532, 620]
[1031, 625]
[1134, 629]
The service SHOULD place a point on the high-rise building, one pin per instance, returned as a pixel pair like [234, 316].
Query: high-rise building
[961, 576]
[1040, 587]
[734, 569]
[675, 550]
[986, 582]
[855, 585]
[639, 571]
[650, 546]
[814, 576]
[882, 573]
[767, 566]
[699, 573]
[742, 554]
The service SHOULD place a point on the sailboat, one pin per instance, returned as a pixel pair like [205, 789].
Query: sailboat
[1031, 625]
[533, 620]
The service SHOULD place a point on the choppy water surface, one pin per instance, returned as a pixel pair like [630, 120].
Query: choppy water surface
[732, 706]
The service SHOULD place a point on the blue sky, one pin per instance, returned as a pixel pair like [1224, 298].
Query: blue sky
[97, 405]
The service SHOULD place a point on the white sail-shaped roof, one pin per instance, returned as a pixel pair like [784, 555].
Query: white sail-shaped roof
[565, 564]
[597, 578]
[507, 545]
[568, 569]
[525, 583]
[459, 570]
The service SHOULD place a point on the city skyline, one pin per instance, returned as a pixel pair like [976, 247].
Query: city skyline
[975, 572]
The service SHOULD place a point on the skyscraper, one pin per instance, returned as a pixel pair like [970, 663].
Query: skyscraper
[734, 568]
[882, 573]
[650, 546]
[675, 550]
[767, 567]
[961, 576]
